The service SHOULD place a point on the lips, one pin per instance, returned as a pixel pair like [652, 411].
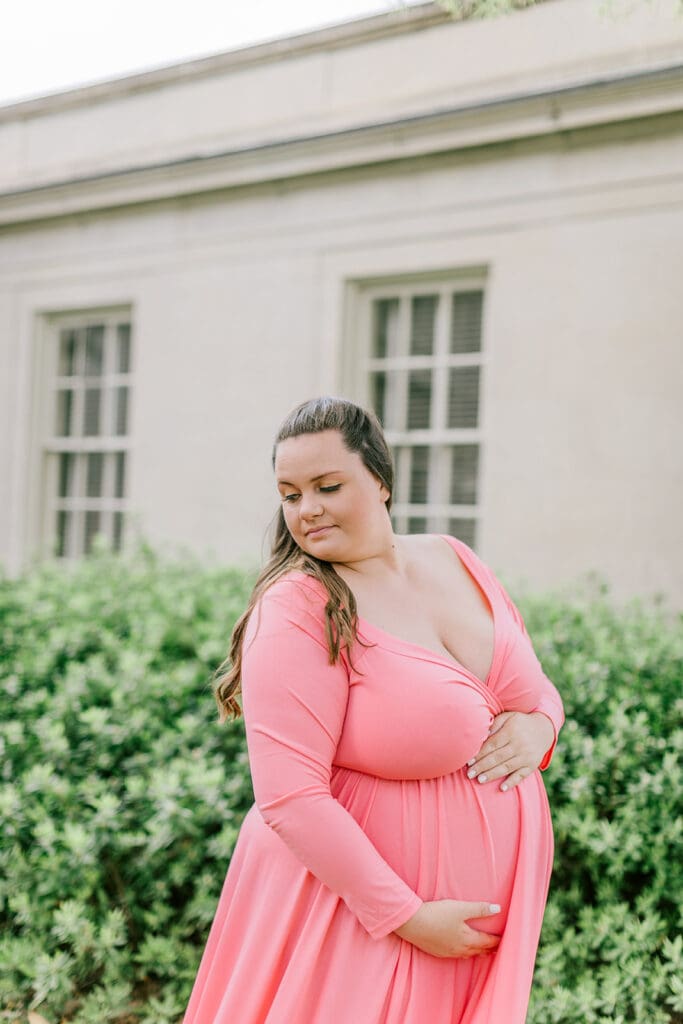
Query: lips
[318, 530]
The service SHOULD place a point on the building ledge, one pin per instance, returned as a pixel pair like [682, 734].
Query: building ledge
[590, 103]
[322, 40]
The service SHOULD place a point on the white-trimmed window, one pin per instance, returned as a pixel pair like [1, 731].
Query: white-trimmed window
[423, 372]
[87, 439]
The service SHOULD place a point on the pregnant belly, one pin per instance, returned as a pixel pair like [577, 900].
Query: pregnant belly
[448, 837]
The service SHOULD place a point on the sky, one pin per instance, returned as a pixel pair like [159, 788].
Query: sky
[47, 46]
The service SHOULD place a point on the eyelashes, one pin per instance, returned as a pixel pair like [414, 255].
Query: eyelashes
[291, 498]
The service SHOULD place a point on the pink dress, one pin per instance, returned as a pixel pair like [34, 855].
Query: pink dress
[363, 810]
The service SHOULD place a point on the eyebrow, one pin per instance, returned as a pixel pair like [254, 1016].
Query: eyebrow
[330, 472]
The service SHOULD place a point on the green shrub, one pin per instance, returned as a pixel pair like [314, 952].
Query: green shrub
[611, 948]
[121, 797]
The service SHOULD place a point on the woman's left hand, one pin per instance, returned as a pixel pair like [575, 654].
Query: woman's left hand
[515, 748]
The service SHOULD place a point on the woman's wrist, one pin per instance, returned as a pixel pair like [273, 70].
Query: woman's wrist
[542, 716]
[408, 929]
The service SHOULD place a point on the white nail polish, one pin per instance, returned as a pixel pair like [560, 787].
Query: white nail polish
[471, 773]
[482, 778]
[494, 908]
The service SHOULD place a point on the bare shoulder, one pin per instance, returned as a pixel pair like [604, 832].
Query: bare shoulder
[431, 558]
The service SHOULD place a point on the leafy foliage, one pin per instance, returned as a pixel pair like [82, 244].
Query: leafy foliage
[612, 949]
[121, 797]
[462, 10]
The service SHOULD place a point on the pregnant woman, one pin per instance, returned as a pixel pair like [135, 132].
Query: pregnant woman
[394, 867]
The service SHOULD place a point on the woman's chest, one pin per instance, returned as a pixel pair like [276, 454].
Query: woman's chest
[455, 626]
[413, 715]
[410, 716]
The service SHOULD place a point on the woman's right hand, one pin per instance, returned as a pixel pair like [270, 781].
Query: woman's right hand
[440, 927]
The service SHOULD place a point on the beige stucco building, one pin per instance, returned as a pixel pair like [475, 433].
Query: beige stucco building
[477, 227]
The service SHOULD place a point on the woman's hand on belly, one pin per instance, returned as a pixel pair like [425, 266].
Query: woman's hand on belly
[440, 927]
[515, 748]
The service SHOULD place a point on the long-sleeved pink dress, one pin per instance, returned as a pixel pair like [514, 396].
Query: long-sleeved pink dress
[363, 810]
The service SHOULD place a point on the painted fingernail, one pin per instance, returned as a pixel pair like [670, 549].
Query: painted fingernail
[471, 773]
[482, 778]
[471, 761]
[494, 908]
[504, 787]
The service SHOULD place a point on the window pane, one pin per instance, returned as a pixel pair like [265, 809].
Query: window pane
[94, 351]
[117, 540]
[417, 524]
[91, 411]
[120, 410]
[119, 474]
[466, 321]
[122, 348]
[399, 524]
[378, 388]
[95, 466]
[65, 402]
[419, 475]
[423, 315]
[419, 399]
[463, 396]
[67, 464]
[385, 326]
[92, 526]
[63, 528]
[463, 529]
[394, 462]
[464, 471]
[68, 341]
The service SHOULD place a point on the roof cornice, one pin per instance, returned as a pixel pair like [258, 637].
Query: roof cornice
[350, 33]
[589, 103]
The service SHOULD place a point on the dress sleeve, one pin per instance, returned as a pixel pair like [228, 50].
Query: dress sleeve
[294, 702]
[550, 702]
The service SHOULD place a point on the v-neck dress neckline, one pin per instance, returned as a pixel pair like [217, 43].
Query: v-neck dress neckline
[367, 628]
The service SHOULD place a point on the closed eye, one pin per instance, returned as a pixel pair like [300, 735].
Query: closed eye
[294, 495]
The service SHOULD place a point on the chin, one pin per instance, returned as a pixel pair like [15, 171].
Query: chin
[325, 547]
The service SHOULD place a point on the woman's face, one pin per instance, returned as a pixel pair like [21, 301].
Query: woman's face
[333, 506]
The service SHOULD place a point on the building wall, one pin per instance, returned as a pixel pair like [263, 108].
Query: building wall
[244, 302]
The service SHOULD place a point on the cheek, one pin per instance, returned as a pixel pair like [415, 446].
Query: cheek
[286, 513]
[291, 519]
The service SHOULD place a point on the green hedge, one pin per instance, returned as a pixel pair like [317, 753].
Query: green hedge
[121, 797]
[612, 944]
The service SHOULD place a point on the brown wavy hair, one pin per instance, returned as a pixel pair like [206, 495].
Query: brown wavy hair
[361, 432]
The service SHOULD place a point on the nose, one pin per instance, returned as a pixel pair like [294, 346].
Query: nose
[310, 507]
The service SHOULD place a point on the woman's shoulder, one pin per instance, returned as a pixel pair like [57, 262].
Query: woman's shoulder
[296, 581]
[296, 590]
[294, 600]
[440, 550]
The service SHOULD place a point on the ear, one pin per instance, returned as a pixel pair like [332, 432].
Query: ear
[383, 493]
